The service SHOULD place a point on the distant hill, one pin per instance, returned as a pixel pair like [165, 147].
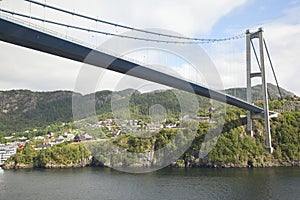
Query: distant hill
[25, 109]
[257, 94]
[22, 109]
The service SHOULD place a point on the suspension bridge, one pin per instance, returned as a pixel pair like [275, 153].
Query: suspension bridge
[18, 32]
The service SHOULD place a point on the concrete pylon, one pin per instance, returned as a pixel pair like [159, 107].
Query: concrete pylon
[249, 36]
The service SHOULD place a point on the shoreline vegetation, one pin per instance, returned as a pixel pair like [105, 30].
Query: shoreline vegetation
[234, 148]
[83, 158]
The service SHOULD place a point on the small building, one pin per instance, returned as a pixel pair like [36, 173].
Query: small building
[87, 136]
[171, 125]
[78, 138]
[57, 141]
[43, 146]
[50, 134]
[8, 137]
[23, 138]
[70, 137]
[39, 138]
[7, 150]
[153, 127]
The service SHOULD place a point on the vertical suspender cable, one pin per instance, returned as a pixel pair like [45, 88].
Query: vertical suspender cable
[200, 40]
[30, 12]
[273, 70]
[259, 64]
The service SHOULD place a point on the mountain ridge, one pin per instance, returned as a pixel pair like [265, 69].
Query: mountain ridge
[257, 94]
[24, 109]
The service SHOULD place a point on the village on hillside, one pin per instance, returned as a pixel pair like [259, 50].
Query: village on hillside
[109, 128]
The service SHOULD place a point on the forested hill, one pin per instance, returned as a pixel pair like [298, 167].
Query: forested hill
[24, 109]
[257, 92]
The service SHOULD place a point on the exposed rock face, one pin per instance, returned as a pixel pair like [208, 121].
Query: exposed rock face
[81, 163]
[93, 162]
[257, 94]
[12, 165]
[96, 163]
[17, 101]
[24, 109]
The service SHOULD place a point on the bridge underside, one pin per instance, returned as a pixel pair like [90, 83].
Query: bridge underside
[20, 35]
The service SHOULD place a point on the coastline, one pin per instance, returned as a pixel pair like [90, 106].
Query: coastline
[90, 162]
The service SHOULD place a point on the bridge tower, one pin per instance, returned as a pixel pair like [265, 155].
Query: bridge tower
[262, 74]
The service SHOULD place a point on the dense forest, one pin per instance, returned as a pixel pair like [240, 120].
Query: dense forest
[59, 156]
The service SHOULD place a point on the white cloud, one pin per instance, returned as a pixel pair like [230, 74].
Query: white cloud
[285, 56]
[283, 40]
[28, 69]
[21, 68]
[188, 17]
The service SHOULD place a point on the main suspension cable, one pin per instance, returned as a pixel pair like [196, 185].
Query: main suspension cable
[199, 40]
[102, 32]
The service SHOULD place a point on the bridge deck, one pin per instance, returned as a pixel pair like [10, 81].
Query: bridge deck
[24, 36]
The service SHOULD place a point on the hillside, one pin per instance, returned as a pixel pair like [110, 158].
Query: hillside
[24, 109]
[234, 148]
[257, 94]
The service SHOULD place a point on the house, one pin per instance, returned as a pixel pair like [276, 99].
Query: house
[50, 134]
[23, 138]
[57, 141]
[70, 137]
[116, 133]
[153, 127]
[212, 110]
[61, 137]
[48, 141]
[195, 119]
[171, 125]
[39, 138]
[7, 150]
[78, 138]
[87, 136]
[42, 146]
[8, 137]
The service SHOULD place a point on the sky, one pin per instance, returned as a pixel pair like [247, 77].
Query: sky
[22, 68]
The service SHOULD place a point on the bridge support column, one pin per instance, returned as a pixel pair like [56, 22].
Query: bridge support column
[249, 97]
[262, 74]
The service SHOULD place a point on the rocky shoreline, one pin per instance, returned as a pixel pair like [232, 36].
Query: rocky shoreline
[12, 165]
[92, 162]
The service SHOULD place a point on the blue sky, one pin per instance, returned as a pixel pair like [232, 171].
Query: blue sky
[252, 14]
[204, 19]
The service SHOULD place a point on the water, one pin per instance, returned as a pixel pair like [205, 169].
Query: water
[185, 184]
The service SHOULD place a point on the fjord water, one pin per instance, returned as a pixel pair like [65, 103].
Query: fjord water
[168, 183]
